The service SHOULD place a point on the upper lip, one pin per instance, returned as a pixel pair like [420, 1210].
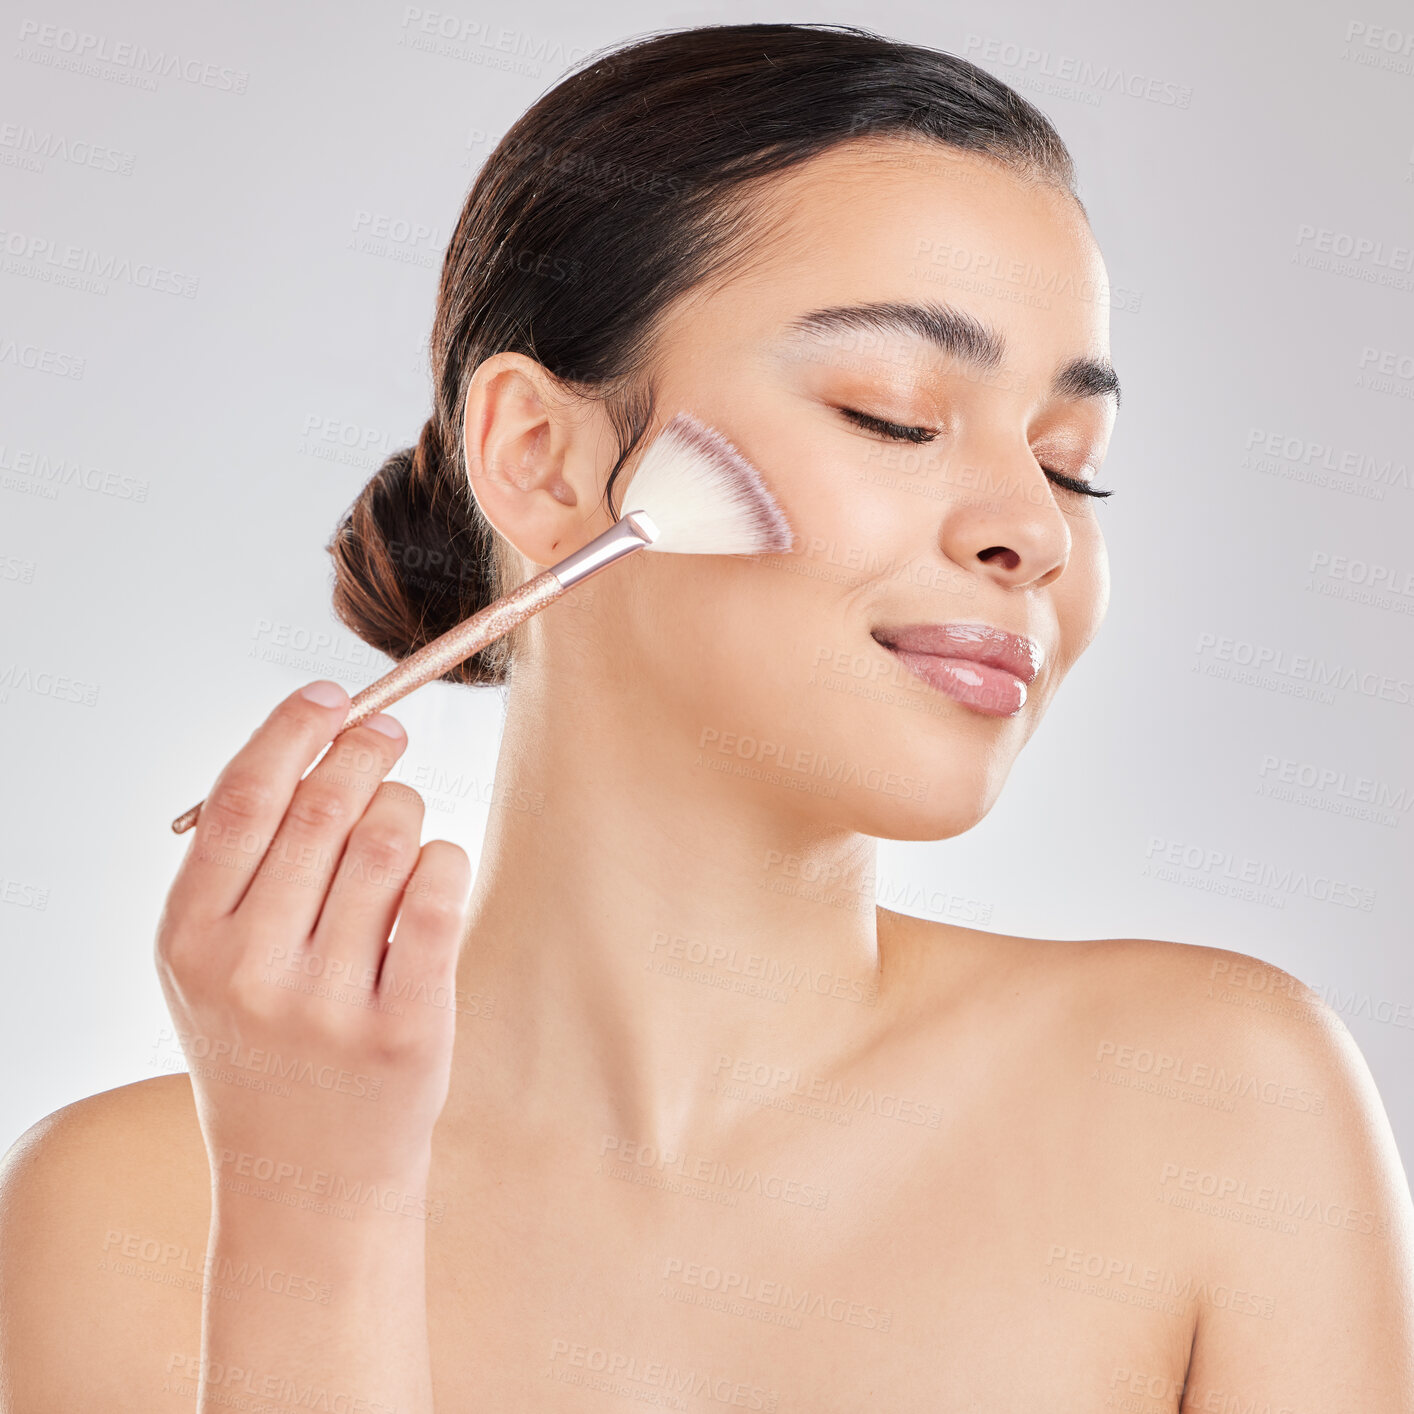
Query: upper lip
[981, 643]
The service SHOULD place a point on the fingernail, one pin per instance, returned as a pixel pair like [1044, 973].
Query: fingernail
[325, 693]
[389, 726]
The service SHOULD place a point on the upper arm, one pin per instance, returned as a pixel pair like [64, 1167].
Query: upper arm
[1305, 1267]
[102, 1243]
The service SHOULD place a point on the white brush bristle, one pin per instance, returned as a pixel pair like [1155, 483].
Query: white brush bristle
[704, 496]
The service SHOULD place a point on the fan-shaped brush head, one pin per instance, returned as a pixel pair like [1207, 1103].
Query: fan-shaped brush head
[704, 497]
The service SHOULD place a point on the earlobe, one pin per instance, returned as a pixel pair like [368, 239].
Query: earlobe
[523, 461]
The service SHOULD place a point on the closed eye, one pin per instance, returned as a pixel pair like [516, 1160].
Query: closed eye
[901, 432]
[1072, 483]
[898, 431]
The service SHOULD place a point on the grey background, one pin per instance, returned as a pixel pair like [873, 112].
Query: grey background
[173, 459]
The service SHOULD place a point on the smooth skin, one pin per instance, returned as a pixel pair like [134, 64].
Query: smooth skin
[715, 1130]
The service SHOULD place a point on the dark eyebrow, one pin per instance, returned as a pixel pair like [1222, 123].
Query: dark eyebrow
[957, 333]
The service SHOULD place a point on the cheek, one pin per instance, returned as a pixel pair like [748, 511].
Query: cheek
[733, 636]
[823, 483]
[735, 646]
[1082, 595]
[714, 632]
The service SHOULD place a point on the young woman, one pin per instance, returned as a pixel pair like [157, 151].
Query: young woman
[665, 1110]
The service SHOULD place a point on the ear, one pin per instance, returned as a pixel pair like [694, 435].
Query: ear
[529, 459]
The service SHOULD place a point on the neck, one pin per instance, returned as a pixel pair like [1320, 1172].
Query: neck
[646, 924]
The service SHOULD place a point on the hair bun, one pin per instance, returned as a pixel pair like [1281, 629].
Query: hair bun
[410, 560]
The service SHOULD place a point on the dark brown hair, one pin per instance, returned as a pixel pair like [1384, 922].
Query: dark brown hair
[621, 189]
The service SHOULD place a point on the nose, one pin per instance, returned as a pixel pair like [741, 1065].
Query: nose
[1003, 522]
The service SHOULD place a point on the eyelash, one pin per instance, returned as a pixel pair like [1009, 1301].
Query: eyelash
[900, 433]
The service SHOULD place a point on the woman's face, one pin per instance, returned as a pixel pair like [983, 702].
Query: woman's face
[777, 672]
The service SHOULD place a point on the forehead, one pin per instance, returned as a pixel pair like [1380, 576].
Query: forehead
[902, 220]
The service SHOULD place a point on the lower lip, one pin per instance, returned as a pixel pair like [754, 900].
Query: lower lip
[992, 691]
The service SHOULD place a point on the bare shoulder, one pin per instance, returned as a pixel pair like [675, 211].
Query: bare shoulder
[1201, 1019]
[1169, 1014]
[1213, 1030]
[1240, 1121]
[1293, 1190]
[104, 1209]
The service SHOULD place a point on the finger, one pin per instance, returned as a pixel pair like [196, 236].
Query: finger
[421, 961]
[359, 909]
[287, 893]
[244, 808]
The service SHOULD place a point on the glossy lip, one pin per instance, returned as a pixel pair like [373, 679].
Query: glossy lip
[981, 666]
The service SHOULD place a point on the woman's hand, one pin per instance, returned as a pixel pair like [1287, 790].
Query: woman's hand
[310, 1038]
[319, 1052]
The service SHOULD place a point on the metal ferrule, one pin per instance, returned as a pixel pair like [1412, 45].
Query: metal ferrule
[633, 531]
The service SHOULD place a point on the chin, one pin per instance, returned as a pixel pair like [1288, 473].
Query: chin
[923, 799]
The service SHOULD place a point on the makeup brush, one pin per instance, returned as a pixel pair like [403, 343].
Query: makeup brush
[693, 493]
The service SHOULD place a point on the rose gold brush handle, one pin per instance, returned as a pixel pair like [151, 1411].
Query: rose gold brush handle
[634, 531]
